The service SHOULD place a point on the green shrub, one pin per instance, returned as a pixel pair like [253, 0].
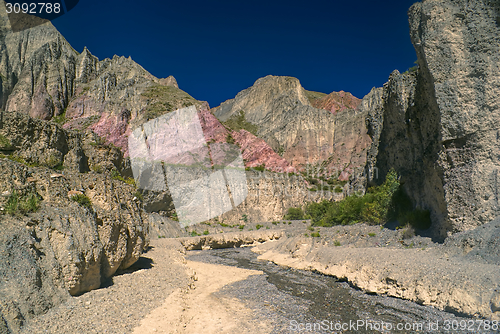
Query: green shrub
[275, 223]
[338, 189]
[205, 232]
[244, 218]
[138, 194]
[294, 214]
[97, 168]
[336, 243]
[20, 160]
[229, 139]
[60, 119]
[315, 235]
[258, 227]
[5, 143]
[237, 122]
[82, 200]
[373, 207]
[241, 227]
[310, 228]
[17, 204]
[194, 234]
[259, 168]
[174, 217]
[371, 234]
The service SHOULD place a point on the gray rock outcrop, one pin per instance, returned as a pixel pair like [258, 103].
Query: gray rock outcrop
[66, 247]
[440, 125]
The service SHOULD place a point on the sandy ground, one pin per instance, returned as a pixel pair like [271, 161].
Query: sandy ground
[196, 310]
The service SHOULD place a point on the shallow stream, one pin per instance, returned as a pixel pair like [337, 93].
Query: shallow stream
[297, 301]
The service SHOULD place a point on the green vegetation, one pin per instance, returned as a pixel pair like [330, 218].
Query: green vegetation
[379, 205]
[312, 96]
[82, 200]
[315, 235]
[174, 217]
[138, 194]
[53, 162]
[373, 207]
[275, 223]
[336, 243]
[60, 119]
[164, 99]
[237, 122]
[20, 205]
[195, 234]
[371, 234]
[338, 189]
[241, 227]
[205, 232]
[117, 176]
[294, 214]
[97, 168]
[229, 139]
[258, 227]
[310, 228]
[244, 218]
[5, 144]
[18, 159]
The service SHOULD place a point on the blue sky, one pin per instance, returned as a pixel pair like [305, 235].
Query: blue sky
[217, 48]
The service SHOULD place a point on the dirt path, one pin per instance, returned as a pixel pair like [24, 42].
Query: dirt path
[196, 310]
[162, 293]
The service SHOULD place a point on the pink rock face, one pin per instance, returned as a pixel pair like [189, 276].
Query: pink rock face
[256, 151]
[213, 130]
[337, 101]
[115, 129]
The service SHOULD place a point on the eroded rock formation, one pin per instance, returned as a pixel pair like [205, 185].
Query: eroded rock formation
[440, 125]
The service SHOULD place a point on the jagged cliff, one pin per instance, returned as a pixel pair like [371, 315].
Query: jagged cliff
[282, 112]
[439, 126]
[43, 76]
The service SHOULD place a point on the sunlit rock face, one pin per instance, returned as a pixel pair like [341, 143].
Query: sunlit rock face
[337, 102]
[440, 125]
[302, 134]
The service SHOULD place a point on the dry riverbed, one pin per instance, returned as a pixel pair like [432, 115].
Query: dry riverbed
[165, 293]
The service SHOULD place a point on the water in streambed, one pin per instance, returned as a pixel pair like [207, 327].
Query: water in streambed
[297, 301]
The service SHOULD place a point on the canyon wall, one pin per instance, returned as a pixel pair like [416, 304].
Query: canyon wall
[440, 124]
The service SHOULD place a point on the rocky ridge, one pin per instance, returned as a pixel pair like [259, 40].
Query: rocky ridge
[303, 135]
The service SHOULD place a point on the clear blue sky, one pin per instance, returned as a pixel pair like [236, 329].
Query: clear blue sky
[217, 48]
